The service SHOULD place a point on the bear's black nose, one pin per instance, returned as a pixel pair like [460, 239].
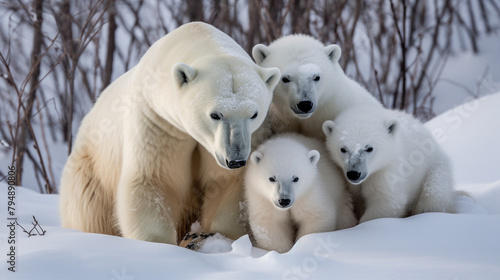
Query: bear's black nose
[284, 202]
[234, 164]
[353, 175]
[305, 106]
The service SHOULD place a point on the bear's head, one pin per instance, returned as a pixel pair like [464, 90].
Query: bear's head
[361, 143]
[221, 102]
[307, 68]
[282, 170]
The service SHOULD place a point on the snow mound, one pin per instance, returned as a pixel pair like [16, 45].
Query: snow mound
[470, 135]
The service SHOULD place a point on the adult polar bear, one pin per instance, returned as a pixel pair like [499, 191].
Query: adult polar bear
[313, 87]
[142, 164]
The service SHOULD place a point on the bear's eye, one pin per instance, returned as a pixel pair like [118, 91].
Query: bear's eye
[285, 80]
[272, 179]
[369, 149]
[316, 78]
[215, 116]
[295, 180]
[254, 116]
[342, 150]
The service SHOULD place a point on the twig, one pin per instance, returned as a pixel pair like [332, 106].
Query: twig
[403, 47]
[381, 97]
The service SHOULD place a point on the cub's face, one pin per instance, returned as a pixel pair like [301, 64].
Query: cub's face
[300, 62]
[225, 102]
[354, 158]
[298, 89]
[282, 173]
[360, 150]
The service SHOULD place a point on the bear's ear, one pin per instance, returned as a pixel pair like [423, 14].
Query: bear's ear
[256, 156]
[271, 76]
[391, 126]
[328, 127]
[313, 156]
[183, 73]
[333, 52]
[259, 53]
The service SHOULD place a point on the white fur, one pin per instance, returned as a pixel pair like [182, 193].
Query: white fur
[319, 199]
[402, 170]
[302, 59]
[145, 155]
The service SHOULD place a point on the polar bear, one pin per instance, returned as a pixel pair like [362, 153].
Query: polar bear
[162, 146]
[313, 86]
[392, 161]
[291, 190]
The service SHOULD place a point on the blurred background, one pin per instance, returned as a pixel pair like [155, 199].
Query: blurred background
[57, 56]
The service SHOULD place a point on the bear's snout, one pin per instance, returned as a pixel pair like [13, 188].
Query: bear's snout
[234, 164]
[305, 106]
[353, 175]
[284, 202]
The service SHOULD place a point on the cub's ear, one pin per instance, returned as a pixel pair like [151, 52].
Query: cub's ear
[391, 126]
[183, 73]
[328, 127]
[256, 156]
[259, 53]
[271, 76]
[333, 52]
[313, 156]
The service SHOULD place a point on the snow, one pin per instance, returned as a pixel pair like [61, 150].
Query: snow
[5, 144]
[427, 246]
[461, 132]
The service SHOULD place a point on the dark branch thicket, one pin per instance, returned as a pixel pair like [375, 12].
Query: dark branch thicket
[57, 56]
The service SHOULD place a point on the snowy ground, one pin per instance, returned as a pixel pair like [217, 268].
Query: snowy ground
[428, 246]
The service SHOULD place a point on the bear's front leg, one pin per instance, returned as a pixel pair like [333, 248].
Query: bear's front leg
[222, 194]
[384, 206]
[153, 193]
[312, 219]
[271, 228]
[383, 202]
[148, 210]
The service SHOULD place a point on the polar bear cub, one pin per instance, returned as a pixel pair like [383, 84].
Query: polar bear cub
[392, 162]
[288, 186]
[313, 87]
